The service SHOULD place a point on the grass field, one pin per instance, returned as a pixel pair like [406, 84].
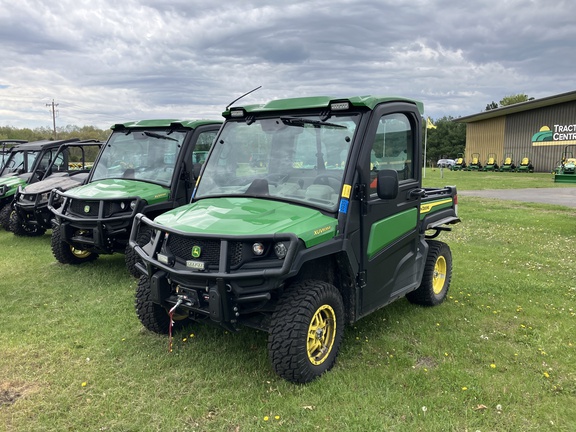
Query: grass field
[498, 355]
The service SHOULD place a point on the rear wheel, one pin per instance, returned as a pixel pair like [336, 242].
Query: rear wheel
[437, 275]
[306, 331]
[154, 317]
[19, 227]
[68, 254]
[5, 216]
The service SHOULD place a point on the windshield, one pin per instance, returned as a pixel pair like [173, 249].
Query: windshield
[298, 159]
[20, 162]
[142, 155]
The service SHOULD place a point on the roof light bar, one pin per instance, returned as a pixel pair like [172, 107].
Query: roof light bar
[238, 112]
[339, 106]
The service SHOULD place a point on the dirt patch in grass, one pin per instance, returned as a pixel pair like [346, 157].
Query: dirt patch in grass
[11, 391]
[425, 362]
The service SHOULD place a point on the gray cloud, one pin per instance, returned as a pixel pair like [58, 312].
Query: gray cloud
[105, 62]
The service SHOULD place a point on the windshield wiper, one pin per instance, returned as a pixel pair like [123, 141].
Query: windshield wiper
[298, 121]
[155, 135]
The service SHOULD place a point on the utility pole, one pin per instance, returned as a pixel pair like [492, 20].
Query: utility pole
[53, 108]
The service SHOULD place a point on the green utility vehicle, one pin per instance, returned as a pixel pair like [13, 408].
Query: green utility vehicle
[333, 225]
[26, 164]
[69, 168]
[145, 167]
[5, 146]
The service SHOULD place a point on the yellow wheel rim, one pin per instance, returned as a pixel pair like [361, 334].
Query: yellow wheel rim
[439, 277]
[321, 334]
[79, 253]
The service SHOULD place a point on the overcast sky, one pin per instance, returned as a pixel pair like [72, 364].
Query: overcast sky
[106, 62]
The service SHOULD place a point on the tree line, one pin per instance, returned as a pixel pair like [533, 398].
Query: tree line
[62, 133]
[447, 140]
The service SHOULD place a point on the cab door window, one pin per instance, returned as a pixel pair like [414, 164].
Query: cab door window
[205, 140]
[392, 148]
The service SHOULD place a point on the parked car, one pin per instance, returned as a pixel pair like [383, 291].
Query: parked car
[445, 163]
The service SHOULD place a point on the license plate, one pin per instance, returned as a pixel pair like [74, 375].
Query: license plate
[198, 265]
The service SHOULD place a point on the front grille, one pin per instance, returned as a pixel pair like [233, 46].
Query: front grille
[181, 246]
[84, 208]
[90, 209]
[27, 199]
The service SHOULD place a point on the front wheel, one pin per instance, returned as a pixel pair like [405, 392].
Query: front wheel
[306, 331]
[66, 253]
[154, 317]
[437, 275]
[20, 228]
[5, 216]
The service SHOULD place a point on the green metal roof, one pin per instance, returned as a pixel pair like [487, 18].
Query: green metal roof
[317, 102]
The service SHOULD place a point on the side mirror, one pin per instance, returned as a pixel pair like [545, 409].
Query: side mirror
[387, 186]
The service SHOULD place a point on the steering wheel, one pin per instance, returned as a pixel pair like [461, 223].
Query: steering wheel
[328, 180]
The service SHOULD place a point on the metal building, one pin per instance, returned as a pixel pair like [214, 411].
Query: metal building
[539, 129]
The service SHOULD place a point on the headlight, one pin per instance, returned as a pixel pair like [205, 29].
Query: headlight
[258, 249]
[133, 204]
[280, 250]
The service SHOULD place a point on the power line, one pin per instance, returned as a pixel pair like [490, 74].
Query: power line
[53, 105]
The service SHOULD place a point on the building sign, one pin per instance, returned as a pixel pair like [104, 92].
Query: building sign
[558, 135]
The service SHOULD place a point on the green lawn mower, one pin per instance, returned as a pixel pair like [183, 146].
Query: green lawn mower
[525, 165]
[565, 172]
[475, 164]
[491, 164]
[460, 164]
[507, 164]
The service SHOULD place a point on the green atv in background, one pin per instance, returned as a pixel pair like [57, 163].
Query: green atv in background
[26, 164]
[69, 168]
[145, 167]
[330, 225]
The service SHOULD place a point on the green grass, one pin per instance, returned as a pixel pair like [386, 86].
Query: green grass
[498, 355]
[474, 180]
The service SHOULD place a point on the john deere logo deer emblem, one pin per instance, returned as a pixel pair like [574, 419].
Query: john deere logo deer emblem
[87, 209]
[196, 251]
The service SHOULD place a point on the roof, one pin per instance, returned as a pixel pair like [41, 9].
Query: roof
[165, 123]
[319, 102]
[519, 107]
[39, 145]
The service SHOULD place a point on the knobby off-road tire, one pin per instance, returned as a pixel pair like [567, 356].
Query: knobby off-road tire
[131, 257]
[437, 275]
[68, 254]
[306, 331]
[20, 228]
[5, 212]
[154, 317]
